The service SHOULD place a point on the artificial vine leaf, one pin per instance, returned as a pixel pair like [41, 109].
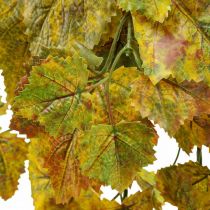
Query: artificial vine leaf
[195, 132]
[13, 45]
[13, 152]
[56, 24]
[42, 192]
[177, 47]
[140, 200]
[115, 154]
[64, 169]
[147, 182]
[199, 11]
[156, 10]
[25, 126]
[184, 185]
[169, 104]
[119, 93]
[54, 96]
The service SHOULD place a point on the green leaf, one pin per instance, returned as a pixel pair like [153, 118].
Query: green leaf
[56, 97]
[156, 10]
[169, 104]
[178, 47]
[13, 152]
[185, 186]
[13, 45]
[115, 154]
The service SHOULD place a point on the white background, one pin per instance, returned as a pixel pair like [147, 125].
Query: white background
[166, 151]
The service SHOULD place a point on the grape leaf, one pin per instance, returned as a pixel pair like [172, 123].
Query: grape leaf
[177, 47]
[24, 126]
[184, 185]
[13, 152]
[198, 10]
[42, 191]
[119, 93]
[13, 45]
[54, 96]
[147, 182]
[169, 104]
[115, 154]
[140, 200]
[56, 24]
[64, 169]
[156, 10]
[195, 132]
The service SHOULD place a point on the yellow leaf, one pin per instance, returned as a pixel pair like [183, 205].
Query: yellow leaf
[13, 152]
[177, 47]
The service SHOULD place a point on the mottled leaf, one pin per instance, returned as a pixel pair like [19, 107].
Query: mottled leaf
[147, 182]
[195, 132]
[140, 200]
[13, 45]
[115, 154]
[55, 96]
[184, 185]
[119, 93]
[156, 10]
[169, 104]
[13, 152]
[56, 24]
[64, 169]
[42, 192]
[177, 47]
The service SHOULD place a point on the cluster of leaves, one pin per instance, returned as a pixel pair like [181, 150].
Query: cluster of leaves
[85, 78]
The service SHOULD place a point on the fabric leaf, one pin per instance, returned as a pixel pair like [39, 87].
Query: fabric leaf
[64, 169]
[54, 96]
[168, 103]
[177, 47]
[115, 154]
[185, 185]
[56, 24]
[195, 132]
[13, 153]
[13, 45]
[156, 10]
[119, 92]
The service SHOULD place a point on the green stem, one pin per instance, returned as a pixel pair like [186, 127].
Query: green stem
[129, 32]
[199, 155]
[114, 45]
[177, 156]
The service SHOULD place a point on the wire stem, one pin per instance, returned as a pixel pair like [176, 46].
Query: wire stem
[199, 155]
[177, 156]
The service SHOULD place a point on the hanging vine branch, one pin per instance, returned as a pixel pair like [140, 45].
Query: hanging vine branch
[84, 80]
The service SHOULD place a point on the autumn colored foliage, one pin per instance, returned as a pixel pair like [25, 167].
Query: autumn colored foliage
[87, 80]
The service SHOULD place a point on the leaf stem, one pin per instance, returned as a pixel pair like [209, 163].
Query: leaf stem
[199, 155]
[114, 45]
[177, 156]
[124, 195]
[116, 196]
